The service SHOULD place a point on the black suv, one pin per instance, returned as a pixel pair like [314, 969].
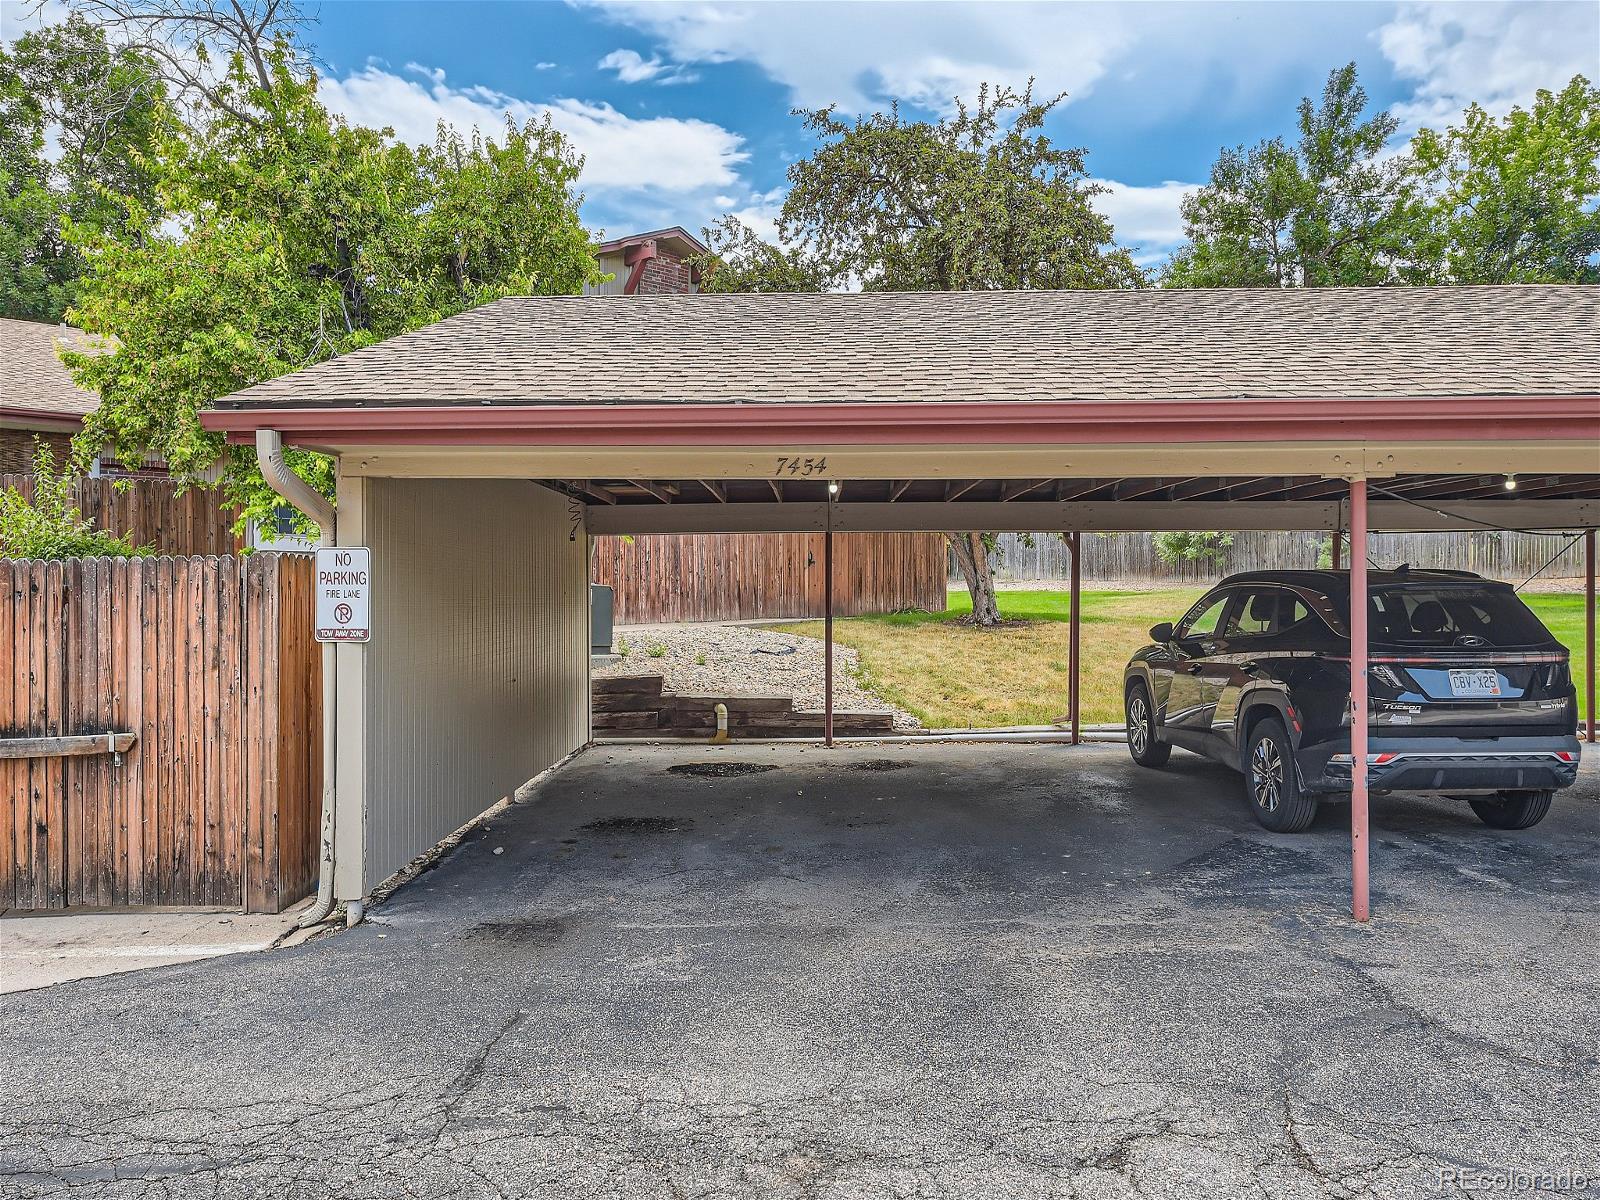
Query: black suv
[1469, 692]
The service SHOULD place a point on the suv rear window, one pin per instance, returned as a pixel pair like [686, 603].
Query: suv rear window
[1448, 616]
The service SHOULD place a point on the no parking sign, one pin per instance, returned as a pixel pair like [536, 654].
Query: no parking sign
[344, 594]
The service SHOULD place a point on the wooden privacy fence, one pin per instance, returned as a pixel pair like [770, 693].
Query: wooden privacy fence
[1113, 556]
[211, 664]
[152, 512]
[751, 576]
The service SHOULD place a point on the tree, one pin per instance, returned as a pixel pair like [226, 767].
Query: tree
[36, 270]
[196, 45]
[1191, 547]
[292, 237]
[50, 525]
[971, 552]
[102, 105]
[1514, 200]
[737, 260]
[980, 199]
[1329, 211]
[977, 200]
[1485, 201]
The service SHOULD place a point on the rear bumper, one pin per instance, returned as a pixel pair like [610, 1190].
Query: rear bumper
[1446, 764]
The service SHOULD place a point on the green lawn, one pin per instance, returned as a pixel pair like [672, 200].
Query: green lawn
[953, 676]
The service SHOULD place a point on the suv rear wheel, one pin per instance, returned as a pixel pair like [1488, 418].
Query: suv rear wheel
[1271, 782]
[1512, 810]
[1143, 745]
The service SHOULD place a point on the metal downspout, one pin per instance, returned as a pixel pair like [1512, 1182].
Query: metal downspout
[269, 453]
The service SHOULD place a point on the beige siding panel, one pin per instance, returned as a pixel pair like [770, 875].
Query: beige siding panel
[476, 678]
[613, 265]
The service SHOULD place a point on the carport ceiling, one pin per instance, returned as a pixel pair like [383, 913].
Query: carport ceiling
[1201, 490]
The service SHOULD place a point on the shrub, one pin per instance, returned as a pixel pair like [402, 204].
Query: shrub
[50, 525]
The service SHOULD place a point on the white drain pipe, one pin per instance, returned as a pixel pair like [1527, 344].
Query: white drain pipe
[269, 453]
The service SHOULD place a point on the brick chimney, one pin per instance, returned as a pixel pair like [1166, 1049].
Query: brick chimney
[650, 264]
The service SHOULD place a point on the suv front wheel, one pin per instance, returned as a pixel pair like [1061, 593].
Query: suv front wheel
[1143, 745]
[1271, 782]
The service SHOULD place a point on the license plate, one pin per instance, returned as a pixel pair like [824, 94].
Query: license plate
[1475, 683]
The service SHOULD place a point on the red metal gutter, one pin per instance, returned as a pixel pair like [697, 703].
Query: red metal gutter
[43, 420]
[1560, 419]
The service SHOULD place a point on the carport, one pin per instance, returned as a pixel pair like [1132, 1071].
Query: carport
[477, 456]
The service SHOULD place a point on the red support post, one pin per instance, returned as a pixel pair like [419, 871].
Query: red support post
[827, 631]
[1359, 901]
[1588, 627]
[1074, 641]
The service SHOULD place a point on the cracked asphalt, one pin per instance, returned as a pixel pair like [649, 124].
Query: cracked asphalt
[986, 971]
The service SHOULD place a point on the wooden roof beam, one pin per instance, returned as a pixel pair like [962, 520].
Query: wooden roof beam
[1132, 489]
[954, 490]
[1020, 487]
[716, 489]
[590, 488]
[660, 491]
[1225, 487]
[1187, 489]
[1263, 485]
[1313, 489]
[1425, 483]
[1080, 487]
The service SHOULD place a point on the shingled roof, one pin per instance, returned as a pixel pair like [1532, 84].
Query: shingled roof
[35, 380]
[902, 347]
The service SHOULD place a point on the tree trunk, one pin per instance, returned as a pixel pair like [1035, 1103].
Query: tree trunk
[973, 560]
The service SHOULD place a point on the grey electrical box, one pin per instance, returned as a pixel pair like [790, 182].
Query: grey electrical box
[601, 600]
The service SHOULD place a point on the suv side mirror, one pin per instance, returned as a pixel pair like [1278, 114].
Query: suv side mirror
[1162, 632]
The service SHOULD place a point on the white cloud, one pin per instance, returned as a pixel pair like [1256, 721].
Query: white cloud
[854, 54]
[631, 67]
[669, 154]
[1497, 54]
[760, 213]
[666, 153]
[544, 66]
[1159, 58]
[1146, 218]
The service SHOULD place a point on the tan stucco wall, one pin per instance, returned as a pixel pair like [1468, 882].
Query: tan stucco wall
[476, 678]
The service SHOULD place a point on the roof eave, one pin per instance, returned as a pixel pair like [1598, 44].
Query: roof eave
[41, 420]
[1458, 418]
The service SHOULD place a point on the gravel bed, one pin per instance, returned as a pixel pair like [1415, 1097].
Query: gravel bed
[744, 660]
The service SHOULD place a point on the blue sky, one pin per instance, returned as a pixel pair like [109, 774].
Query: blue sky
[682, 108]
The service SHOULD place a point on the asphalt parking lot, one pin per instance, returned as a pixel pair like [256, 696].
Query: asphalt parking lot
[978, 971]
